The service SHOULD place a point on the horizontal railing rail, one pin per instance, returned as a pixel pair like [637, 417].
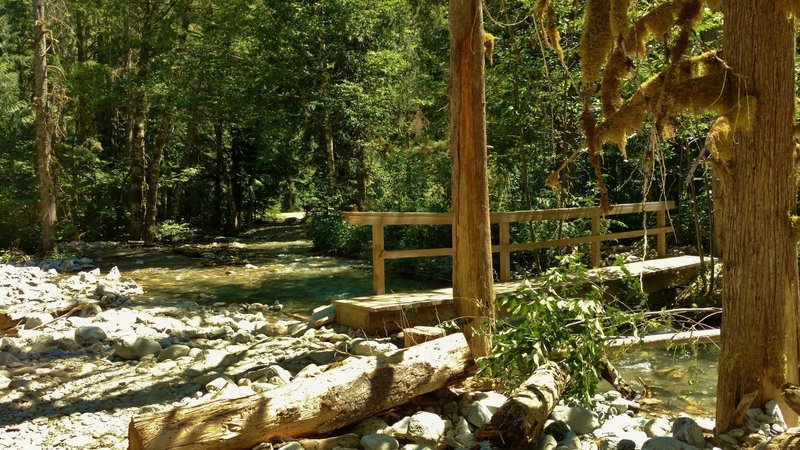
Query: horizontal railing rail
[379, 220]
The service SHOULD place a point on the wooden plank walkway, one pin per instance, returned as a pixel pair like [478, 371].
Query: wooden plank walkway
[387, 313]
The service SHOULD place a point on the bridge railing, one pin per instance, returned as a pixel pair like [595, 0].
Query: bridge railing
[379, 220]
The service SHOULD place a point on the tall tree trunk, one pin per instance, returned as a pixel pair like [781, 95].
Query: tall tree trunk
[44, 151]
[154, 172]
[138, 164]
[760, 293]
[236, 187]
[361, 178]
[473, 291]
[218, 170]
[327, 126]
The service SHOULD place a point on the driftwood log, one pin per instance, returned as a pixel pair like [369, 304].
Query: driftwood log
[344, 394]
[519, 422]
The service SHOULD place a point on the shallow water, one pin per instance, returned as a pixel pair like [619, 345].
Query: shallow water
[286, 271]
[683, 378]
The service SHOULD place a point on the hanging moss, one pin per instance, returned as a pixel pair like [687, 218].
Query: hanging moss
[695, 84]
[720, 137]
[596, 41]
[545, 14]
[617, 66]
[656, 24]
[619, 18]
[688, 16]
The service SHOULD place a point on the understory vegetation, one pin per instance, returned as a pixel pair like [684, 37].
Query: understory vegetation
[310, 106]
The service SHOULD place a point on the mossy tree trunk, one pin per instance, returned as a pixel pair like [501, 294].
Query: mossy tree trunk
[760, 293]
[473, 291]
[44, 151]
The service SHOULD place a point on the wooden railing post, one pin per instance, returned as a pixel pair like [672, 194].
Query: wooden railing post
[378, 266]
[596, 239]
[661, 218]
[505, 254]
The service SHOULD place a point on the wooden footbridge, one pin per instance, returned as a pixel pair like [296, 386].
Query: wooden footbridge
[385, 313]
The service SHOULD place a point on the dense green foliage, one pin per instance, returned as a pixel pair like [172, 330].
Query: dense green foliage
[568, 319]
[320, 106]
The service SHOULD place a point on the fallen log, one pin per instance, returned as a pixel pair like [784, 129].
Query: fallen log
[663, 340]
[344, 394]
[519, 422]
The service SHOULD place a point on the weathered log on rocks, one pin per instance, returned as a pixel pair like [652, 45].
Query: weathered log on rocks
[346, 393]
[519, 422]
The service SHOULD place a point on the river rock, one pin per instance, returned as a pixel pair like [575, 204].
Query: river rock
[579, 419]
[9, 360]
[687, 430]
[134, 347]
[68, 344]
[477, 414]
[570, 442]
[90, 310]
[173, 352]
[657, 427]
[113, 274]
[273, 374]
[379, 442]
[370, 425]
[88, 335]
[773, 414]
[666, 443]
[558, 429]
[416, 447]
[37, 320]
[369, 347]
[323, 315]
[547, 442]
[426, 428]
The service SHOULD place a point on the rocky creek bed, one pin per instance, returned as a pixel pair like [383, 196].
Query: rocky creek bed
[89, 353]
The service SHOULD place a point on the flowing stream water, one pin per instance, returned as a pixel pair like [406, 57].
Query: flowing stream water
[283, 268]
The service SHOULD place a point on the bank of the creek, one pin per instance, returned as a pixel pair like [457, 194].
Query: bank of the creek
[166, 329]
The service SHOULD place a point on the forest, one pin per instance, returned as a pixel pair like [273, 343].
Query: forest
[213, 115]
[191, 128]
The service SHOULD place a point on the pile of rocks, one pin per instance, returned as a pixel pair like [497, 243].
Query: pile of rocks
[76, 381]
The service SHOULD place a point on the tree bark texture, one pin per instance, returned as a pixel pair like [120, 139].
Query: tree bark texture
[521, 419]
[760, 294]
[154, 173]
[138, 165]
[219, 168]
[354, 390]
[44, 151]
[473, 290]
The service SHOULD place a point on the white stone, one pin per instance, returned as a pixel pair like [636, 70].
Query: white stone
[477, 414]
[426, 428]
[323, 315]
[657, 427]
[113, 274]
[368, 347]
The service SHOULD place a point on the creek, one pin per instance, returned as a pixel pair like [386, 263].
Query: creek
[277, 263]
